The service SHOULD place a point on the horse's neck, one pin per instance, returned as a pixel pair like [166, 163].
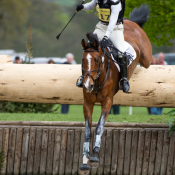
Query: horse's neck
[104, 69]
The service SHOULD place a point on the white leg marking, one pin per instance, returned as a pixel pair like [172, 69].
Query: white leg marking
[89, 60]
[85, 159]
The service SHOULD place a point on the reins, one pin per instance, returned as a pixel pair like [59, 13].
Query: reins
[109, 56]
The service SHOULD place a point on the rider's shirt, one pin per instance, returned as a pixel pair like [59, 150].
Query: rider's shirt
[106, 13]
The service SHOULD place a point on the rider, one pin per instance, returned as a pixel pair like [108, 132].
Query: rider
[110, 26]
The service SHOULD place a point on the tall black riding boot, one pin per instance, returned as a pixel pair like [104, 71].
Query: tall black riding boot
[123, 63]
[79, 82]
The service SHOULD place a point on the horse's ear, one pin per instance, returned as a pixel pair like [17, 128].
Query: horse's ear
[96, 44]
[83, 43]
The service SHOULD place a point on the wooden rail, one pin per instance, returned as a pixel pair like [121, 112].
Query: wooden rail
[56, 148]
[153, 87]
[5, 59]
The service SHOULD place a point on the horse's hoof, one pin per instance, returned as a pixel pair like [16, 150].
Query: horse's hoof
[94, 162]
[84, 169]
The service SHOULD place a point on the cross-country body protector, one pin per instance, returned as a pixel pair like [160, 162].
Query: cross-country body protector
[104, 11]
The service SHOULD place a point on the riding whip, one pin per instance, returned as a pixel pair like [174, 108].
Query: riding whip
[68, 22]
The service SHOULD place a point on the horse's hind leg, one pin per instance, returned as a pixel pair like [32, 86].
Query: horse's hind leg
[145, 59]
[106, 106]
[87, 109]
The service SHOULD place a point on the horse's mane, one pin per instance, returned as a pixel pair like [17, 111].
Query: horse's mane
[91, 39]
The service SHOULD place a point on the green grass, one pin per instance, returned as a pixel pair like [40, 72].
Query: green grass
[140, 115]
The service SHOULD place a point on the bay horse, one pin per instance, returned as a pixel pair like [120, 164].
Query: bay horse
[101, 78]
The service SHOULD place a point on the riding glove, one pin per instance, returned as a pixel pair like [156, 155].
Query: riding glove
[79, 7]
[104, 42]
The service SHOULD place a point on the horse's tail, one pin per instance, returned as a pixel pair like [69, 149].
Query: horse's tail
[140, 15]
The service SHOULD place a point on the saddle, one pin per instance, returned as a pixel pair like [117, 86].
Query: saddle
[115, 53]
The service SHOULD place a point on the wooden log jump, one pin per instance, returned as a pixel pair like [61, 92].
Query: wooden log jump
[44, 148]
[5, 59]
[153, 87]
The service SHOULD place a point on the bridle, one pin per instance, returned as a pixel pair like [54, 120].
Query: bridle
[98, 69]
[96, 88]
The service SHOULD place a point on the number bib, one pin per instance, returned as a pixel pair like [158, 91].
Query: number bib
[103, 14]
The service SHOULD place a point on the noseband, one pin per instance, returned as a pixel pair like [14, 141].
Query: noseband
[96, 89]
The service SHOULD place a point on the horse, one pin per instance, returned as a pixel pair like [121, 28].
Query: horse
[101, 78]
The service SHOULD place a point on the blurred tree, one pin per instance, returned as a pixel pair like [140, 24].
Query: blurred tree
[164, 48]
[48, 17]
[160, 27]
[13, 15]
[66, 2]
[47, 22]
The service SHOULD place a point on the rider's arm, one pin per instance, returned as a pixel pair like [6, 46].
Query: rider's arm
[115, 10]
[90, 6]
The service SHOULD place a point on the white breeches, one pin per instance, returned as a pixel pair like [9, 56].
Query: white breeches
[116, 37]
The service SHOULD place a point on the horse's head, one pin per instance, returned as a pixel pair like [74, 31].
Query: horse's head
[91, 62]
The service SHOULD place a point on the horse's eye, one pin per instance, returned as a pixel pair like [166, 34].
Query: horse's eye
[96, 60]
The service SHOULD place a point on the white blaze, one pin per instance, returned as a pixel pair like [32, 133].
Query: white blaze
[89, 60]
[89, 65]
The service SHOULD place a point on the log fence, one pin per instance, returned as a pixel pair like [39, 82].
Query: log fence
[55, 148]
[127, 149]
[57, 84]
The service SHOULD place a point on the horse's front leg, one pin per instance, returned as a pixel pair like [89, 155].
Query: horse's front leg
[106, 106]
[87, 109]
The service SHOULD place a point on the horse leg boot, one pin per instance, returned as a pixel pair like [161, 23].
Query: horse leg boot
[94, 161]
[123, 62]
[84, 168]
[106, 106]
[80, 83]
[87, 109]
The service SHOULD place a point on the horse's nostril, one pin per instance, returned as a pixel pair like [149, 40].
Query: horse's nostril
[91, 88]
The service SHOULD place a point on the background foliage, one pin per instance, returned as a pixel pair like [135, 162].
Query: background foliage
[48, 17]
[160, 28]
[171, 122]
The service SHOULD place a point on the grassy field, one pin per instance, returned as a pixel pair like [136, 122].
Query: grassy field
[140, 115]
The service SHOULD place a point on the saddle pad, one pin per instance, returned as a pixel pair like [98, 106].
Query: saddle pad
[129, 51]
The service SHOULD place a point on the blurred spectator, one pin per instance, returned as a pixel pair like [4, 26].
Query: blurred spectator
[156, 111]
[161, 59]
[154, 61]
[17, 60]
[51, 61]
[70, 60]
[115, 110]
